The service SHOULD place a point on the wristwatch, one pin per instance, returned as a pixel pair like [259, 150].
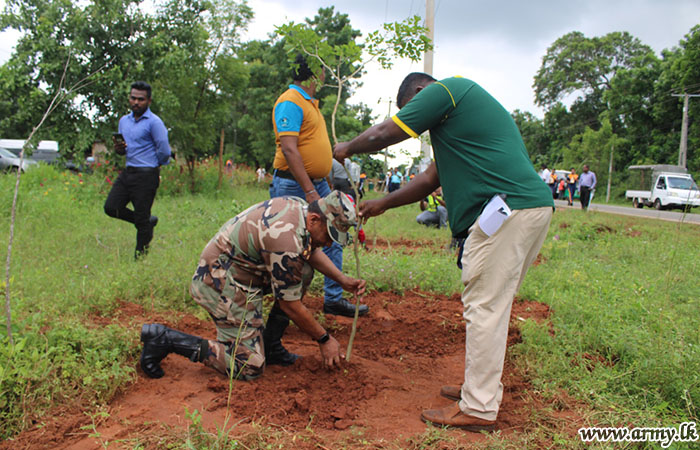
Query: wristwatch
[323, 339]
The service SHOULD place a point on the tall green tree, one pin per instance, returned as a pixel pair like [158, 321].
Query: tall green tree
[270, 75]
[534, 136]
[614, 77]
[631, 101]
[594, 147]
[90, 36]
[196, 71]
[575, 63]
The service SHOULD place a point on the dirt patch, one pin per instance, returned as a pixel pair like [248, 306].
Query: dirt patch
[404, 351]
[631, 232]
[604, 229]
[539, 260]
[406, 246]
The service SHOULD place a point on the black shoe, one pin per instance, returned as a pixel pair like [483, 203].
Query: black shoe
[159, 341]
[278, 355]
[154, 221]
[344, 308]
[275, 353]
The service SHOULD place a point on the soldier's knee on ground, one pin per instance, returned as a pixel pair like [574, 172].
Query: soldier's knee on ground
[245, 365]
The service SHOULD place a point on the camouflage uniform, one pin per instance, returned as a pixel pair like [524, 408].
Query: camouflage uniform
[264, 249]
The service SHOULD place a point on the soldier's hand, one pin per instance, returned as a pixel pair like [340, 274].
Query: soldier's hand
[331, 354]
[354, 285]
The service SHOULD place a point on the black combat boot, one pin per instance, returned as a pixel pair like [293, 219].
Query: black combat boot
[275, 353]
[159, 340]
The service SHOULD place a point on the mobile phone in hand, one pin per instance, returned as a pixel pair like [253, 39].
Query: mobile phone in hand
[119, 143]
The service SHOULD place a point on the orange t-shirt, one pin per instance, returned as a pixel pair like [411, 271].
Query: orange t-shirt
[297, 114]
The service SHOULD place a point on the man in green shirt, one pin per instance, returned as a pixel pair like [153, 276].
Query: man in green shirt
[494, 198]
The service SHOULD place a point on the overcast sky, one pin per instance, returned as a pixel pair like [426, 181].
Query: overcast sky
[499, 43]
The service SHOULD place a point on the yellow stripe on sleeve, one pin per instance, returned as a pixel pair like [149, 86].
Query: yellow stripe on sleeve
[454, 105]
[404, 127]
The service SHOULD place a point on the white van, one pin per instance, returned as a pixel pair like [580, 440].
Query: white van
[668, 187]
[45, 151]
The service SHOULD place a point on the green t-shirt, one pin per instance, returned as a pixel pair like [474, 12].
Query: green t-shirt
[478, 150]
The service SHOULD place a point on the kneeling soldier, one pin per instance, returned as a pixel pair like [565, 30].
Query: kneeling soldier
[273, 246]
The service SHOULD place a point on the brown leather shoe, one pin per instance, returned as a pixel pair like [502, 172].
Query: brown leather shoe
[453, 392]
[452, 416]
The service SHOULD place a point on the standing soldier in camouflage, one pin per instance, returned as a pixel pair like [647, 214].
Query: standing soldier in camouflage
[272, 247]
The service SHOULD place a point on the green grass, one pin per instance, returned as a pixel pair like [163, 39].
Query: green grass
[624, 293]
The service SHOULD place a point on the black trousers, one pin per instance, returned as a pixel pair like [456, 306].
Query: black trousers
[585, 193]
[138, 186]
[343, 185]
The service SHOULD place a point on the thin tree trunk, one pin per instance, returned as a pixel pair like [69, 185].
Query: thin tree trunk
[610, 171]
[221, 158]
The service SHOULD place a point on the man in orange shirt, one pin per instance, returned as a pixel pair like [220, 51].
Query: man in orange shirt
[303, 160]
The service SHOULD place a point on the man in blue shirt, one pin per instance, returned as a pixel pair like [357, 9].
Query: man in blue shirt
[586, 184]
[145, 143]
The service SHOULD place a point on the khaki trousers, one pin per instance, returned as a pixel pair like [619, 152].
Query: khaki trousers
[493, 268]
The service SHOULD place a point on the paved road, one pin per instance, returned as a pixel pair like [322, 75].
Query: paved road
[650, 213]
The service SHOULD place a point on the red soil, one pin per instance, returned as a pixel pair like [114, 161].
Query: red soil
[406, 348]
[406, 246]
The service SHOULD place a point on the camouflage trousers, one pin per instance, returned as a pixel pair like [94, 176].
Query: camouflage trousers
[237, 312]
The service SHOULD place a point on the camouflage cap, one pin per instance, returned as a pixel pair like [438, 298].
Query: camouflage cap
[339, 210]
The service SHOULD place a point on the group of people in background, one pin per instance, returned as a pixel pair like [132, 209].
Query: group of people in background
[393, 180]
[566, 186]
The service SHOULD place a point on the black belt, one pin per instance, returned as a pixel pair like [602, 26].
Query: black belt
[286, 174]
[141, 169]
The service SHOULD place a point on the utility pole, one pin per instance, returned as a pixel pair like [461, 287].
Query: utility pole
[386, 149]
[683, 149]
[428, 64]
[430, 25]
[610, 170]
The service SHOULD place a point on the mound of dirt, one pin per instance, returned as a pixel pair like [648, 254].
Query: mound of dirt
[405, 349]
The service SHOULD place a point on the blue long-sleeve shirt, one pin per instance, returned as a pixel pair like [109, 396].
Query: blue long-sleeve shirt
[146, 140]
[587, 179]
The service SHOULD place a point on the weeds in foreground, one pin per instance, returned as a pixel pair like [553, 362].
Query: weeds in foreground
[95, 419]
[198, 438]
